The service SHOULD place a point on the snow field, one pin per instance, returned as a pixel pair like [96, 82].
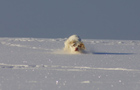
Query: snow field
[41, 64]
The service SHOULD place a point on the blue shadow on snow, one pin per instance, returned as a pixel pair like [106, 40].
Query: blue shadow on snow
[109, 53]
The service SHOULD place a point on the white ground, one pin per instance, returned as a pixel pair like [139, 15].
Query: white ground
[40, 64]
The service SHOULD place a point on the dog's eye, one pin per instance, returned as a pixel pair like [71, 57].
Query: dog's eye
[79, 45]
[74, 44]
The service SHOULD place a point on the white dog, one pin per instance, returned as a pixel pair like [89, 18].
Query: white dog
[74, 44]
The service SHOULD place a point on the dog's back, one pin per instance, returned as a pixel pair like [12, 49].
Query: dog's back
[74, 38]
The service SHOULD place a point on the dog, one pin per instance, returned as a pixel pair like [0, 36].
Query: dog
[74, 44]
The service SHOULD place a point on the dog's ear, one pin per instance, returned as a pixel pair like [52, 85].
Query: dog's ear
[82, 45]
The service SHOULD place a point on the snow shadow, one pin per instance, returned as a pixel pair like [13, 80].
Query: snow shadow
[110, 53]
[91, 52]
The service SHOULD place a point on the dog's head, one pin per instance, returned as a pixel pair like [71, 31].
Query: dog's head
[76, 46]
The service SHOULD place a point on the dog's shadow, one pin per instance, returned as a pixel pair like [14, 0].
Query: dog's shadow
[106, 53]
[111, 53]
[92, 52]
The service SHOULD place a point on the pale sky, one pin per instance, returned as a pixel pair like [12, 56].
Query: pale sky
[90, 19]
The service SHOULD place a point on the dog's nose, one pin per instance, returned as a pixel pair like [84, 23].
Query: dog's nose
[76, 49]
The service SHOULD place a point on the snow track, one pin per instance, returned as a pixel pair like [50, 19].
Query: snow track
[62, 68]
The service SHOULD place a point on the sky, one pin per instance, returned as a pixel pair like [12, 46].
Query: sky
[90, 19]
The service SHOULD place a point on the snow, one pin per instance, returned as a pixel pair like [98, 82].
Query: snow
[41, 64]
